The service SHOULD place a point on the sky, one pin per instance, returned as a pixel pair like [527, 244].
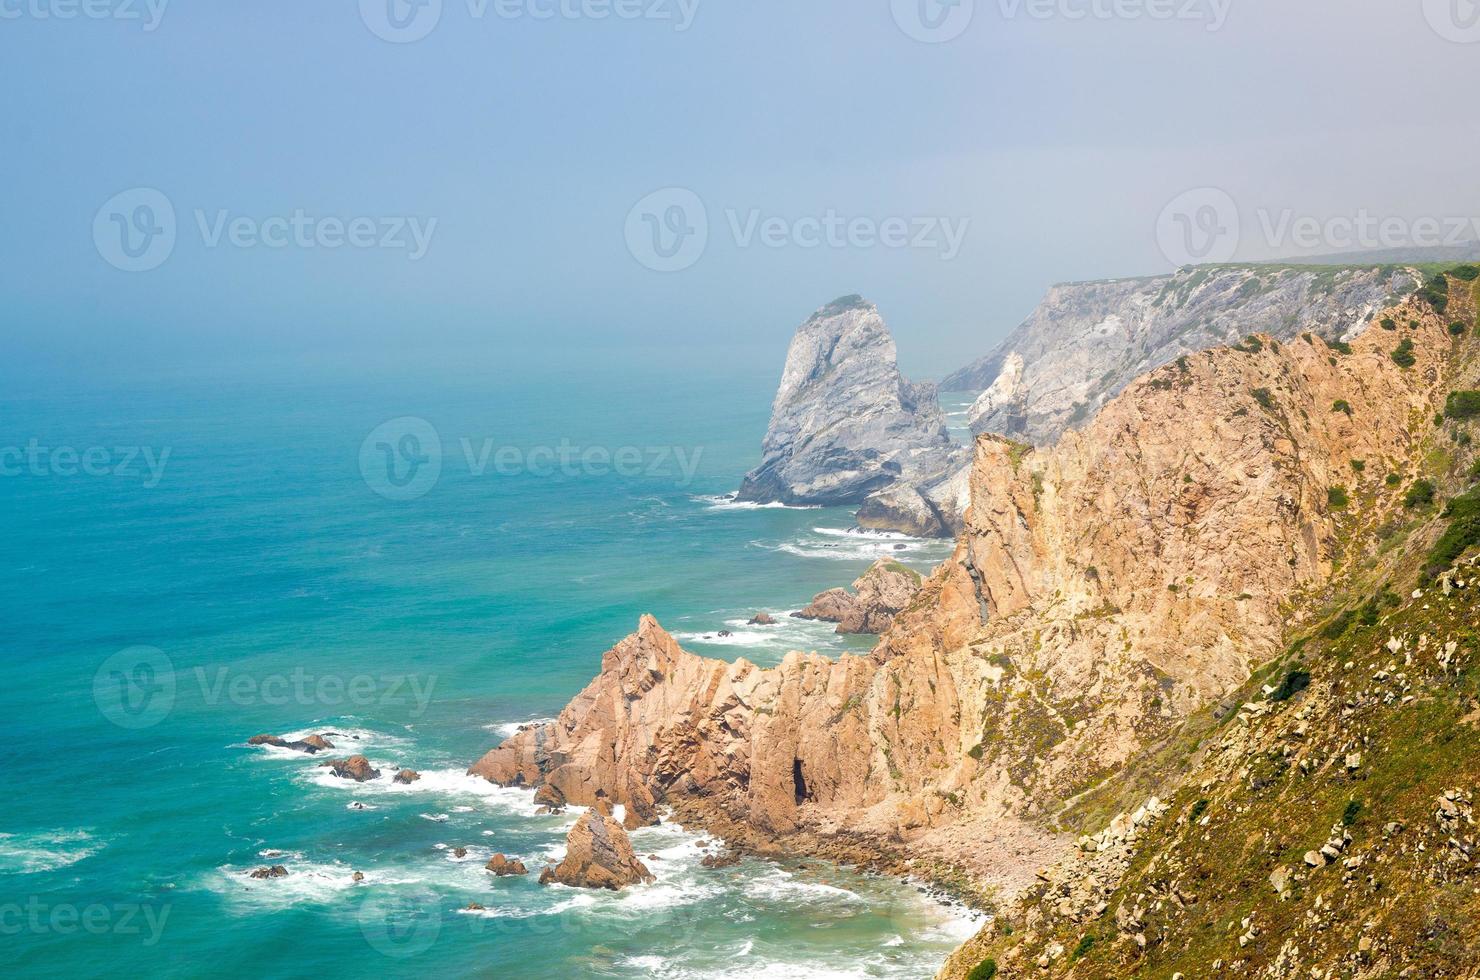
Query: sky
[210, 182]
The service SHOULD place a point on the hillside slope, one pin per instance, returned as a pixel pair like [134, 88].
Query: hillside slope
[1319, 821]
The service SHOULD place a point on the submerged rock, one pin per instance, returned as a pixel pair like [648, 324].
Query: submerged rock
[762, 619]
[276, 871]
[406, 777]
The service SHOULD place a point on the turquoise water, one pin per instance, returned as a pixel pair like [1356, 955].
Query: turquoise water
[268, 578]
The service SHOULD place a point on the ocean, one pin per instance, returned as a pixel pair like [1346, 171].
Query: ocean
[415, 558]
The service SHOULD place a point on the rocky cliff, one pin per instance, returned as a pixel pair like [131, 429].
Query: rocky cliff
[1106, 594]
[1087, 341]
[846, 425]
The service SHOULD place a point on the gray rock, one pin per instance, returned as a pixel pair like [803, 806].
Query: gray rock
[1087, 341]
[845, 423]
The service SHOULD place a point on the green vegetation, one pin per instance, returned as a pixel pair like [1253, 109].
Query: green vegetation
[985, 970]
[1337, 628]
[1197, 811]
[1463, 514]
[1462, 404]
[1435, 291]
[1421, 494]
[1341, 347]
[1403, 356]
[1341, 405]
[1393, 479]
[1359, 465]
[1295, 682]
[1264, 397]
[1349, 815]
[1457, 328]
[1388, 323]
[1336, 498]
[1086, 943]
[1251, 345]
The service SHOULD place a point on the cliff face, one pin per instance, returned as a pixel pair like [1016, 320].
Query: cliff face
[1104, 591]
[845, 423]
[1087, 341]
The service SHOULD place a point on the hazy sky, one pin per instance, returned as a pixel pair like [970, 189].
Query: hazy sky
[826, 149]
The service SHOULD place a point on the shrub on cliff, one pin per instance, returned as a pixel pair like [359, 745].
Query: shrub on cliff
[1336, 498]
[1462, 404]
[1403, 356]
[985, 970]
[1463, 533]
[1421, 494]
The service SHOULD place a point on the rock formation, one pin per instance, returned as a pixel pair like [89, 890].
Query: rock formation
[1087, 341]
[309, 745]
[503, 867]
[1105, 590]
[846, 425]
[406, 777]
[275, 871]
[878, 595]
[598, 855]
[356, 767]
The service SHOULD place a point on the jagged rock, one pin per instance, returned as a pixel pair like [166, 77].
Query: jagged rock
[503, 867]
[356, 767]
[319, 742]
[762, 619]
[276, 871]
[358, 876]
[459, 852]
[309, 745]
[603, 806]
[473, 907]
[879, 595]
[845, 424]
[274, 740]
[599, 855]
[406, 777]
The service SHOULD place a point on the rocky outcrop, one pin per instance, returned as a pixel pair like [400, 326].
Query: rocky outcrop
[1087, 341]
[309, 745]
[503, 867]
[262, 874]
[598, 855]
[846, 424]
[878, 595]
[406, 777]
[1104, 590]
[356, 767]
